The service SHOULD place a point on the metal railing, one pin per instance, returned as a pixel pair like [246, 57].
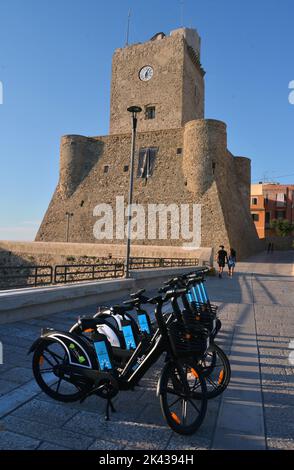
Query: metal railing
[64, 274]
[149, 263]
[13, 277]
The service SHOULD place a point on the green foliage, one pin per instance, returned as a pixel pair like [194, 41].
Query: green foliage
[282, 227]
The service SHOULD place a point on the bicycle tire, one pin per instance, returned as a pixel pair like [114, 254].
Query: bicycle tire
[38, 358]
[174, 372]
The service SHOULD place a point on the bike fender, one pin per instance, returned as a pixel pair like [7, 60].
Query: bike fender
[79, 349]
[35, 344]
[44, 333]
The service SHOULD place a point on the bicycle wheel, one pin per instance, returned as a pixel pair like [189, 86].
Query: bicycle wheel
[216, 370]
[47, 356]
[178, 384]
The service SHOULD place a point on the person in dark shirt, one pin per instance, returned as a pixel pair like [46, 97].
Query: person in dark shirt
[222, 259]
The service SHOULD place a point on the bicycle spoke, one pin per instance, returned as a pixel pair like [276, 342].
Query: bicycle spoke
[58, 385]
[193, 404]
[44, 371]
[211, 382]
[49, 362]
[173, 392]
[195, 386]
[54, 355]
[174, 402]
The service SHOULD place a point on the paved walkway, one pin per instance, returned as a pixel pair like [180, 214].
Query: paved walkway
[256, 411]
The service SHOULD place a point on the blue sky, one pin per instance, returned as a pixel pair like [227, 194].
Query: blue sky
[55, 65]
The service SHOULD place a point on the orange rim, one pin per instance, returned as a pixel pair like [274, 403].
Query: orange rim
[195, 373]
[89, 330]
[221, 377]
[175, 418]
[41, 360]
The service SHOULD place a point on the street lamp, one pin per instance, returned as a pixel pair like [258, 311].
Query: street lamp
[68, 215]
[134, 110]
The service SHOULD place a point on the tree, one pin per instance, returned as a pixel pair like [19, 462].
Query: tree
[282, 227]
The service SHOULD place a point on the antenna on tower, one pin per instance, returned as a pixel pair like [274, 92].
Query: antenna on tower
[182, 12]
[128, 28]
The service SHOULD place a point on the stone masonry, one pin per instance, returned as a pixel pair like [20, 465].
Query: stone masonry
[192, 164]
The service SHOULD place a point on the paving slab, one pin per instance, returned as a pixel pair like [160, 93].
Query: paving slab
[256, 411]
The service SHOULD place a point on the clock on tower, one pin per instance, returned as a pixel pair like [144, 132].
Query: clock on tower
[164, 77]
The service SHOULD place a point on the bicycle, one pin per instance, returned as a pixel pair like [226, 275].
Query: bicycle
[215, 365]
[86, 365]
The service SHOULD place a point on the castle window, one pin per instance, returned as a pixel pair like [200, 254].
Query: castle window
[150, 112]
[147, 156]
[213, 167]
[82, 203]
[126, 168]
[179, 151]
[254, 201]
[255, 217]
[106, 169]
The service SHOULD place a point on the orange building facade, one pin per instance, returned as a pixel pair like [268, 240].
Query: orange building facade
[271, 201]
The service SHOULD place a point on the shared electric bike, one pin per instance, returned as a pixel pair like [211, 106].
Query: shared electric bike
[70, 366]
[123, 331]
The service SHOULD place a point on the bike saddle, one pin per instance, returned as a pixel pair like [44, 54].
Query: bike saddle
[137, 294]
[174, 281]
[88, 323]
[137, 301]
[121, 309]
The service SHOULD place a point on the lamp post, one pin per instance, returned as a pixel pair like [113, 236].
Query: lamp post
[68, 215]
[134, 110]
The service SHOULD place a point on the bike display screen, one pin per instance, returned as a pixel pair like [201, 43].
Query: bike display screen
[129, 337]
[143, 323]
[102, 355]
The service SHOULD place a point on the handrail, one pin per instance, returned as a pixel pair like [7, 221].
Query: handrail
[13, 277]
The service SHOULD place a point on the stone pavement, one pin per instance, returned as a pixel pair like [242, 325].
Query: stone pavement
[256, 411]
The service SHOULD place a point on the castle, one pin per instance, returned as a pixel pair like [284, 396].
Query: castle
[188, 160]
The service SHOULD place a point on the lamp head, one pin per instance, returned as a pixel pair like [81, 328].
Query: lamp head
[134, 109]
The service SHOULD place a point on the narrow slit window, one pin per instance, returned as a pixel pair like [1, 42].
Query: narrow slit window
[147, 157]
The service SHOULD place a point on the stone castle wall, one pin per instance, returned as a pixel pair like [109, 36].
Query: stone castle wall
[94, 171]
[193, 164]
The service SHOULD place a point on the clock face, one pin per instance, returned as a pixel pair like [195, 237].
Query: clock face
[146, 73]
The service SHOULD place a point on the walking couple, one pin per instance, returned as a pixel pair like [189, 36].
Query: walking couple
[223, 258]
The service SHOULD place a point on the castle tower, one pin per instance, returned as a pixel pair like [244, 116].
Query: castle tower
[181, 158]
[164, 76]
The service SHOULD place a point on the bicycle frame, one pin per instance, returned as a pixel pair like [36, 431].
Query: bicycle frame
[134, 371]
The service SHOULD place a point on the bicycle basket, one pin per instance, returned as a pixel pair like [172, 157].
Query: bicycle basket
[206, 319]
[186, 340]
[201, 308]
